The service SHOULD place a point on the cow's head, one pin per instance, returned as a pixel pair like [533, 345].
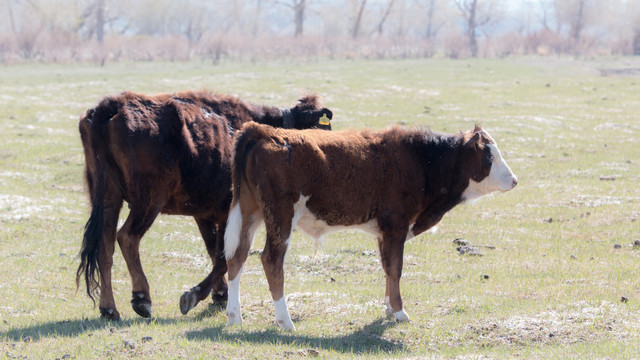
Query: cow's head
[484, 166]
[309, 113]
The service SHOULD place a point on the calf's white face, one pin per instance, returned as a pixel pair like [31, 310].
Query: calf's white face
[500, 177]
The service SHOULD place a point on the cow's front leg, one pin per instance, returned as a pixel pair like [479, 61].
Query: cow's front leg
[391, 252]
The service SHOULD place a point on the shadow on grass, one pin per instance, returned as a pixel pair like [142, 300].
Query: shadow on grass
[212, 310]
[72, 328]
[366, 340]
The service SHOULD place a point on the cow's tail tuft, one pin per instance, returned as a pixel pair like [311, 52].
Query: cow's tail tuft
[92, 128]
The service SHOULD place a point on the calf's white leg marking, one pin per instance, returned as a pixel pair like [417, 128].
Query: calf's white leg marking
[388, 310]
[399, 316]
[234, 312]
[283, 319]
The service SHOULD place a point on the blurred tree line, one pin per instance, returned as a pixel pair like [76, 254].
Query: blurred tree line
[256, 30]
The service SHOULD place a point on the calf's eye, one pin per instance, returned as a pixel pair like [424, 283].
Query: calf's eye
[487, 162]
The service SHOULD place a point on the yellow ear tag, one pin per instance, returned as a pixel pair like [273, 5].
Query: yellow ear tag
[324, 120]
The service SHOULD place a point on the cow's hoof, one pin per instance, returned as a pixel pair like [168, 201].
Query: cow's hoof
[141, 305]
[189, 300]
[220, 297]
[110, 314]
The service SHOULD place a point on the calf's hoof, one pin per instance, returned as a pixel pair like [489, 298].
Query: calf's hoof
[233, 318]
[388, 311]
[141, 305]
[286, 324]
[189, 300]
[401, 316]
[110, 314]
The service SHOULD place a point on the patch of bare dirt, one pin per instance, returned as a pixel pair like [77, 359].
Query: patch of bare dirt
[578, 323]
[16, 207]
[624, 72]
[185, 260]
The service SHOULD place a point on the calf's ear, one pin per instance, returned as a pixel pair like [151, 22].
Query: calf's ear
[473, 143]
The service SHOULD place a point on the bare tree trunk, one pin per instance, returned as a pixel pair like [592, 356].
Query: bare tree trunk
[298, 9]
[11, 19]
[384, 17]
[100, 22]
[432, 9]
[256, 23]
[468, 10]
[636, 42]
[401, 18]
[471, 23]
[356, 26]
[544, 19]
[577, 25]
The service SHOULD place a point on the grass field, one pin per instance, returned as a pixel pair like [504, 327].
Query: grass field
[569, 129]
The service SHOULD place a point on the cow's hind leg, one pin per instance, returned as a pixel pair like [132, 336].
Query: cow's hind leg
[137, 223]
[391, 253]
[107, 303]
[214, 241]
[238, 237]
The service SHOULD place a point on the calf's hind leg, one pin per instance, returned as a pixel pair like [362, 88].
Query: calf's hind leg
[279, 222]
[273, 264]
[238, 237]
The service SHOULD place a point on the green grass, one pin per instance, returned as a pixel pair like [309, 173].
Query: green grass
[555, 280]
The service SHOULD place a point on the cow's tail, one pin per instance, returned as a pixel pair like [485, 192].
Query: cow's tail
[92, 129]
[244, 143]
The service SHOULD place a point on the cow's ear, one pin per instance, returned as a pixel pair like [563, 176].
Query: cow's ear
[323, 117]
[473, 143]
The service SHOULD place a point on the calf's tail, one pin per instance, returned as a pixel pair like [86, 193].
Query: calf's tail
[244, 143]
[92, 128]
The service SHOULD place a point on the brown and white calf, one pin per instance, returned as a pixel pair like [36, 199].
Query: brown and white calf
[395, 184]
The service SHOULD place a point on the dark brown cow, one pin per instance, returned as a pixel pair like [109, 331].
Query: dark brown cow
[395, 184]
[165, 154]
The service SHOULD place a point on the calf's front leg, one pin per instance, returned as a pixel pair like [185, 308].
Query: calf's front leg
[391, 252]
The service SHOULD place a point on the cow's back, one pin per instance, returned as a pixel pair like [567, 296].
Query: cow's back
[177, 145]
